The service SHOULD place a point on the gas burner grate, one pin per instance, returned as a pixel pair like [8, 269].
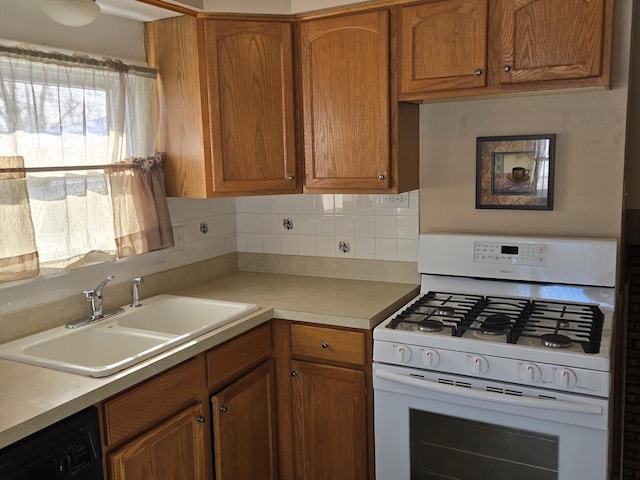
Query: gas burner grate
[519, 318]
[450, 310]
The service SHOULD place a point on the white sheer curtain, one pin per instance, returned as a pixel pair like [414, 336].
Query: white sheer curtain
[70, 111]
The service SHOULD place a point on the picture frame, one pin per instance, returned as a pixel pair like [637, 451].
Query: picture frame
[515, 172]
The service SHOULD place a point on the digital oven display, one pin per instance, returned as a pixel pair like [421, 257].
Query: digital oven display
[509, 250]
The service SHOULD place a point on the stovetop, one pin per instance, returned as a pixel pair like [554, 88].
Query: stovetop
[523, 310]
[583, 314]
[549, 324]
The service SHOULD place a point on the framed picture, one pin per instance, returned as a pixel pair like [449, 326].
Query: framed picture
[515, 172]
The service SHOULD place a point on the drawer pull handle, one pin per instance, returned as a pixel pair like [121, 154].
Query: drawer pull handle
[200, 419]
[325, 345]
[294, 373]
[223, 408]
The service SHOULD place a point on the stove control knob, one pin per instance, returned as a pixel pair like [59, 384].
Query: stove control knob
[430, 358]
[530, 372]
[401, 353]
[566, 378]
[478, 365]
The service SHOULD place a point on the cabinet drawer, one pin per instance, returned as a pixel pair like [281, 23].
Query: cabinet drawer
[331, 344]
[155, 400]
[227, 362]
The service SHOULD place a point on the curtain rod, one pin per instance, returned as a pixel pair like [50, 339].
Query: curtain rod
[107, 63]
[110, 166]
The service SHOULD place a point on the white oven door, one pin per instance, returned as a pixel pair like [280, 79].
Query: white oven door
[430, 426]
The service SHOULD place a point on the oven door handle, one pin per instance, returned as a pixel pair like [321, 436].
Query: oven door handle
[529, 402]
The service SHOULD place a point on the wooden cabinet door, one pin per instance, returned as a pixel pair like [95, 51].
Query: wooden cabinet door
[329, 415]
[344, 63]
[544, 40]
[175, 449]
[443, 46]
[249, 81]
[244, 428]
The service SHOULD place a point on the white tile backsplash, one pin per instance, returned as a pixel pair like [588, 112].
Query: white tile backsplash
[321, 221]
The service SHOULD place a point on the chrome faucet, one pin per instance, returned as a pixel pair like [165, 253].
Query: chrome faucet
[135, 291]
[95, 297]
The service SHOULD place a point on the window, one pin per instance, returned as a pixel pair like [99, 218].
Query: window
[77, 135]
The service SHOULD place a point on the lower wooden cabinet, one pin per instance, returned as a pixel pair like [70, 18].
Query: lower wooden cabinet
[284, 401]
[330, 422]
[325, 406]
[244, 427]
[175, 449]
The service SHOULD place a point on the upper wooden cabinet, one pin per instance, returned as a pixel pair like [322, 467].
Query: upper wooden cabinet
[443, 45]
[228, 100]
[451, 48]
[550, 39]
[351, 118]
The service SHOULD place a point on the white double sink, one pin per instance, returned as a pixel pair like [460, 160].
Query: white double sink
[110, 345]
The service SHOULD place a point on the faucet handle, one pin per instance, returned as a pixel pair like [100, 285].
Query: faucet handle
[89, 294]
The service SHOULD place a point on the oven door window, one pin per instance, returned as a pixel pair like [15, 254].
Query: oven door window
[444, 447]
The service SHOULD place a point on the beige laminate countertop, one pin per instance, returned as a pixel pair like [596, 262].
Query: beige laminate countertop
[33, 397]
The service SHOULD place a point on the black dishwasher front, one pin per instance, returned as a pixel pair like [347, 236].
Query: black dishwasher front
[68, 449]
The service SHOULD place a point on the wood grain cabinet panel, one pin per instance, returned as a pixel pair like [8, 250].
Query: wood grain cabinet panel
[357, 137]
[151, 402]
[230, 360]
[455, 48]
[344, 65]
[244, 427]
[330, 422]
[443, 45]
[249, 72]
[175, 449]
[551, 39]
[228, 105]
[328, 344]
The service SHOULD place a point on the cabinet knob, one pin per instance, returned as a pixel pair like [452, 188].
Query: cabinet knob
[200, 419]
[294, 373]
[478, 72]
[291, 178]
[223, 408]
[507, 68]
[325, 345]
[382, 177]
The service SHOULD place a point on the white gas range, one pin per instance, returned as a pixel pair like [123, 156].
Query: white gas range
[509, 342]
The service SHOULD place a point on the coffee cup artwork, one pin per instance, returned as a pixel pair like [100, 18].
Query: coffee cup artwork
[515, 171]
[519, 174]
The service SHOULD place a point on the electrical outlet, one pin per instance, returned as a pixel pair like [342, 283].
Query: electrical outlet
[396, 201]
[178, 237]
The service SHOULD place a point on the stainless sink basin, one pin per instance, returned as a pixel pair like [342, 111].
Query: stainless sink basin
[108, 346]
